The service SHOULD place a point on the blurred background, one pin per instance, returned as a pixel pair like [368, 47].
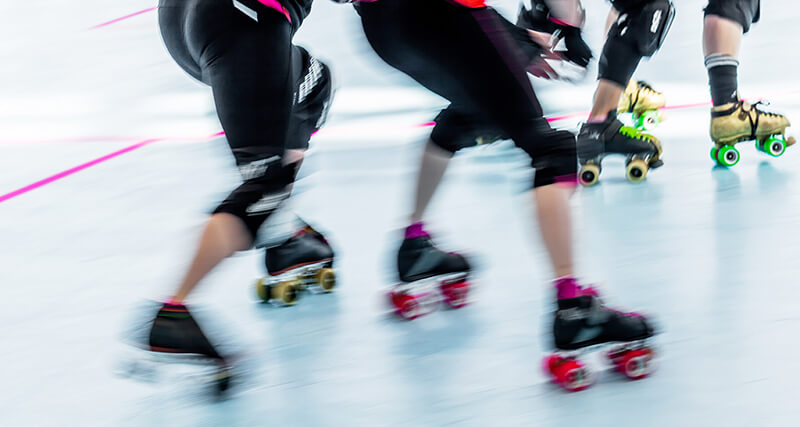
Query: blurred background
[86, 237]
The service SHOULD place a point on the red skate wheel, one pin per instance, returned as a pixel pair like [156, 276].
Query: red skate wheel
[569, 373]
[406, 306]
[634, 364]
[455, 294]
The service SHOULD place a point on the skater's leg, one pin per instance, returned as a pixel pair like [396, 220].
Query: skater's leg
[223, 236]
[248, 66]
[638, 33]
[431, 170]
[721, 36]
[606, 98]
[555, 225]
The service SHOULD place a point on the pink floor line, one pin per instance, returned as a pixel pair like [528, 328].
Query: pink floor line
[76, 169]
[114, 21]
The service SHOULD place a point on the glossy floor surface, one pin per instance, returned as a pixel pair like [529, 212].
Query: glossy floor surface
[109, 166]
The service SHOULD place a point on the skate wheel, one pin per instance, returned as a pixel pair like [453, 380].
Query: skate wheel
[713, 153]
[636, 170]
[589, 175]
[287, 292]
[727, 156]
[455, 294]
[262, 290]
[633, 363]
[569, 373]
[326, 279]
[406, 306]
[222, 382]
[648, 121]
[773, 146]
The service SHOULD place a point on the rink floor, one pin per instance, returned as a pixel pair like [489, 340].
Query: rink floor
[109, 165]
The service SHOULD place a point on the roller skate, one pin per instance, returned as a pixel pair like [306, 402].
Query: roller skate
[739, 121]
[175, 337]
[429, 276]
[643, 102]
[581, 323]
[597, 140]
[302, 263]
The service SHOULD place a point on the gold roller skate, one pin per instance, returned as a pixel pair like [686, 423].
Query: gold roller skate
[643, 102]
[740, 121]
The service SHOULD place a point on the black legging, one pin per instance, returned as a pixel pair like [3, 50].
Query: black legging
[468, 57]
[248, 65]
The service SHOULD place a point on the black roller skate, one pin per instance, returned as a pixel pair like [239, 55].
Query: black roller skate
[429, 276]
[597, 140]
[175, 338]
[582, 322]
[304, 262]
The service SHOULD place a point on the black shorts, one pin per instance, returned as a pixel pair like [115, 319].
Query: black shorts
[745, 12]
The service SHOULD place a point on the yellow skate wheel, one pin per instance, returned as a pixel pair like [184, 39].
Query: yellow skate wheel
[636, 170]
[262, 290]
[588, 175]
[326, 279]
[287, 292]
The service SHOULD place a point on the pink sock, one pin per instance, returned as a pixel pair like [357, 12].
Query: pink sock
[415, 230]
[567, 287]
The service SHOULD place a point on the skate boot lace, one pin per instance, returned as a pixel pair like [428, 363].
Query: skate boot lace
[644, 86]
[634, 134]
[745, 113]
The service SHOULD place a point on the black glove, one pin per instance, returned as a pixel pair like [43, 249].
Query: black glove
[578, 52]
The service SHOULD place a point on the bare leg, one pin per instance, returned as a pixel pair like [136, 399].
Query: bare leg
[224, 235]
[606, 99]
[721, 36]
[432, 168]
[555, 225]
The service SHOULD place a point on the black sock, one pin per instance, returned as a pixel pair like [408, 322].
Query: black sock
[722, 78]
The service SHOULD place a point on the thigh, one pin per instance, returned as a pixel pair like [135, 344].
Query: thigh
[249, 70]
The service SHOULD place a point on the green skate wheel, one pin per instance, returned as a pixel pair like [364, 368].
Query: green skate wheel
[773, 146]
[648, 121]
[636, 170]
[727, 156]
[714, 154]
[588, 175]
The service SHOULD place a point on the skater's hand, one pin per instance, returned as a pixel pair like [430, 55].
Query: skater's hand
[578, 52]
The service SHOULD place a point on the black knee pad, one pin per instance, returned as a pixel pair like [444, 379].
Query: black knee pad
[456, 130]
[745, 12]
[638, 32]
[312, 98]
[265, 187]
[553, 154]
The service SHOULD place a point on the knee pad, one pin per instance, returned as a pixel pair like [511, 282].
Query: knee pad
[312, 98]
[455, 130]
[645, 26]
[553, 155]
[744, 12]
[637, 33]
[557, 161]
[266, 185]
